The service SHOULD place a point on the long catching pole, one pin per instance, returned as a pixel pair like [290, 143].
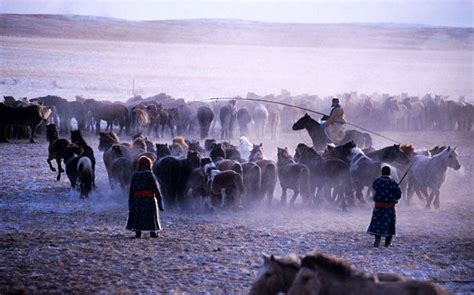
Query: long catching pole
[304, 109]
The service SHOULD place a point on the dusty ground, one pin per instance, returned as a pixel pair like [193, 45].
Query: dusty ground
[51, 241]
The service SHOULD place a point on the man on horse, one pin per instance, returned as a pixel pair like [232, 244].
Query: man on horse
[333, 124]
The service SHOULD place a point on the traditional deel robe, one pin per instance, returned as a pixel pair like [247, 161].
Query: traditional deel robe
[387, 194]
[144, 198]
[335, 125]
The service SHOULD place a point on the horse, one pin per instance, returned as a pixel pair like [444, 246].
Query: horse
[56, 148]
[243, 119]
[64, 109]
[30, 116]
[173, 175]
[225, 187]
[319, 138]
[110, 144]
[268, 172]
[78, 139]
[260, 117]
[323, 274]
[217, 152]
[162, 150]
[205, 116]
[85, 176]
[252, 175]
[429, 173]
[227, 164]
[109, 112]
[121, 170]
[227, 115]
[139, 119]
[276, 275]
[294, 176]
[72, 154]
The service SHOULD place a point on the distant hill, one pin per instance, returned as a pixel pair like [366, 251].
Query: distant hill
[237, 32]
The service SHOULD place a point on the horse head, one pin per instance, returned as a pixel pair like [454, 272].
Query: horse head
[452, 158]
[304, 122]
[276, 275]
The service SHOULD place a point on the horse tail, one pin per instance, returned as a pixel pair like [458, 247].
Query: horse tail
[85, 176]
[239, 183]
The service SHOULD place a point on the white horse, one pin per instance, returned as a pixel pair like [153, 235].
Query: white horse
[429, 173]
[245, 147]
[260, 117]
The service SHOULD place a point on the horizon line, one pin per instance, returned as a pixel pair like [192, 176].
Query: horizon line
[242, 20]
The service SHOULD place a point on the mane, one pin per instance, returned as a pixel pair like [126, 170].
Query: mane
[112, 135]
[328, 263]
[291, 261]
[407, 149]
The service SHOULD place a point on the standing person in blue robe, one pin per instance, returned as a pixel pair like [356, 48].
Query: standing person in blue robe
[387, 194]
[144, 198]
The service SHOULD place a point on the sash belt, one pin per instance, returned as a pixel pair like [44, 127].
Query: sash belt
[384, 205]
[144, 194]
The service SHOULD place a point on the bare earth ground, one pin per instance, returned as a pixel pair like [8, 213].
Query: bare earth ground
[52, 241]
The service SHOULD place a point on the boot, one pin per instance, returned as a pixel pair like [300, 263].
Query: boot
[138, 234]
[388, 241]
[153, 235]
[377, 241]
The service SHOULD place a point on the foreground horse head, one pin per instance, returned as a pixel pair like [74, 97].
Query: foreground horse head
[322, 274]
[276, 275]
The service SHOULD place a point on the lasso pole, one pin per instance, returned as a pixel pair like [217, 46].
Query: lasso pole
[304, 109]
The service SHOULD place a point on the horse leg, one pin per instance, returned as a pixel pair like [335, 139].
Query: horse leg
[283, 196]
[429, 200]
[33, 130]
[293, 198]
[97, 127]
[50, 165]
[436, 201]
[60, 169]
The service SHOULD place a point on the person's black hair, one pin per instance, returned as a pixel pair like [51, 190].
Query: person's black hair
[386, 170]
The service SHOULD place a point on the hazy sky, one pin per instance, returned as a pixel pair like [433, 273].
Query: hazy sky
[432, 12]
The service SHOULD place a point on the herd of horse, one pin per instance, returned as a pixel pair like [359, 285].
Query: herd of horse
[220, 173]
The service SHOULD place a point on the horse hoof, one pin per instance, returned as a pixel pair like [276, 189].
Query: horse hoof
[53, 169]
[436, 206]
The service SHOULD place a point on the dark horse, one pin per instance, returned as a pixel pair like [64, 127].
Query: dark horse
[173, 175]
[319, 138]
[109, 112]
[30, 116]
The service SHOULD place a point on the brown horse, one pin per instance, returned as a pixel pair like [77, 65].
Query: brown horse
[225, 187]
[109, 112]
[276, 275]
[110, 144]
[322, 274]
[294, 176]
[268, 171]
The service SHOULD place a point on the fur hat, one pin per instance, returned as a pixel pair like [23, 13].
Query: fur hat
[144, 163]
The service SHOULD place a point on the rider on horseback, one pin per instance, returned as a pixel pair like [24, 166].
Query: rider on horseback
[333, 124]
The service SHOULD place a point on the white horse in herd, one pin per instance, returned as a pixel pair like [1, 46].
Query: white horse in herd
[429, 173]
